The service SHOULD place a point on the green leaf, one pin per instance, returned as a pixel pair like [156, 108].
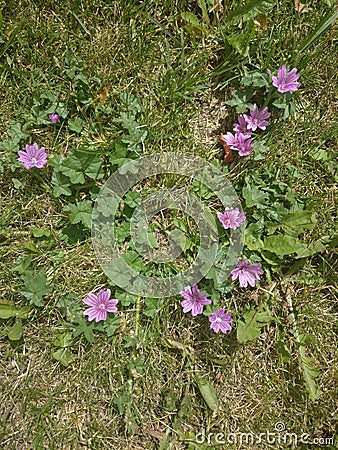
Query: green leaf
[298, 221]
[131, 103]
[133, 198]
[116, 270]
[256, 79]
[323, 155]
[153, 306]
[252, 236]
[311, 249]
[79, 164]
[15, 332]
[64, 339]
[91, 164]
[76, 124]
[22, 264]
[254, 197]
[17, 133]
[36, 287]
[310, 372]
[17, 183]
[111, 325]
[284, 352]
[241, 99]
[241, 41]
[283, 244]
[250, 326]
[208, 392]
[63, 355]
[40, 232]
[252, 9]
[192, 21]
[84, 328]
[8, 311]
[72, 168]
[125, 298]
[61, 184]
[80, 212]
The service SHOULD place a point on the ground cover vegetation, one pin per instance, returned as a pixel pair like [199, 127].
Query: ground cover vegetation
[89, 88]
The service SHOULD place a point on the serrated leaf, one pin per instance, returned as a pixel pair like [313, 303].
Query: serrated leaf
[323, 155]
[61, 184]
[208, 392]
[133, 198]
[91, 164]
[79, 164]
[256, 79]
[84, 328]
[117, 271]
[72, 168]
[283, 351]
[283, 244]
[36, 287]
[17, 133]
[250, 326]
[7, 311]
[240, 42]
[254, 197]
[125, 298]
[80, 212]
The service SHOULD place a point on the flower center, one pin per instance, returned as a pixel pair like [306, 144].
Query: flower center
[102, 306]
[218, 320]
[34, 160]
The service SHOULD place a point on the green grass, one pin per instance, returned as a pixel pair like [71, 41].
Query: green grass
[128, 390]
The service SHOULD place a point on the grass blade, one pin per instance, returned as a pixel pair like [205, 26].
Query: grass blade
[321, 28]
[11, 38]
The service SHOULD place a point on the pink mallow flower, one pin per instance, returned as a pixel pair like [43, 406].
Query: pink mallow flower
[286, 82]
[99, 304]
[33, 156]
[239, 142]
[257, 119]
[54, 117]
[231, 218]
[194, 300]
[241, 126]
[246, 273]
[220, 321]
